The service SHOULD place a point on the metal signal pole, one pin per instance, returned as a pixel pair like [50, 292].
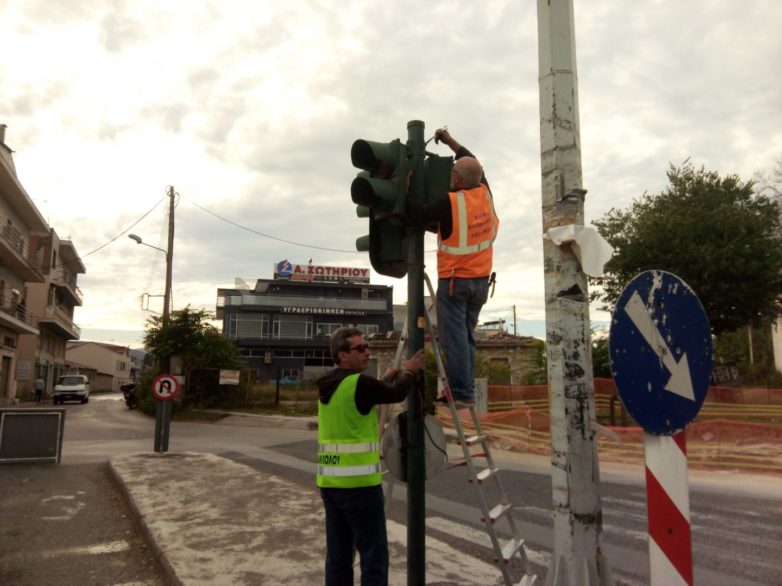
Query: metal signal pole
[577, 558]
[416, 450]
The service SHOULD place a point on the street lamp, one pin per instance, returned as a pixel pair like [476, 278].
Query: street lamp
[163, 408]
[167, 293]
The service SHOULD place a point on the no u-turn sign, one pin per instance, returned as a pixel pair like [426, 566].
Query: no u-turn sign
[165, 387]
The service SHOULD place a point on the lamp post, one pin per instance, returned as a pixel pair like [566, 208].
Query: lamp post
[167, 293]
[163, 408]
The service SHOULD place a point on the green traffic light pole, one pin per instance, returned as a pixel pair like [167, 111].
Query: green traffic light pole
[416, 460]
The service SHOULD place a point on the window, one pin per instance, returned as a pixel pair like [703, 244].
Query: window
[367, 329]
[247, 325]
[288, 327]
[326, 329]
[318, 357]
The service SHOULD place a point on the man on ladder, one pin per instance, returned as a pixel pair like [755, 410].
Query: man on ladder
[466, 228]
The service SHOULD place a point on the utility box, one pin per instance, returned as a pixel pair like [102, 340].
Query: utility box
[31, 435]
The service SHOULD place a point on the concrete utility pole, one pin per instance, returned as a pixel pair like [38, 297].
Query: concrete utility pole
[169, 255]
[577, 559]
[163, 408]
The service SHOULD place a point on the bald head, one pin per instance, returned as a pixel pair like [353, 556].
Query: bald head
[467, 173]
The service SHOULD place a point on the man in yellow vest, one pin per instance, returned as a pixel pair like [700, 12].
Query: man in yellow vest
[349, 473]
[466, 228]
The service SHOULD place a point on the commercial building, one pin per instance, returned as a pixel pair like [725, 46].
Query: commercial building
[282, 325]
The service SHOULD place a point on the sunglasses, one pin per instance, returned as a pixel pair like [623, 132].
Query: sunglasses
[360, 347]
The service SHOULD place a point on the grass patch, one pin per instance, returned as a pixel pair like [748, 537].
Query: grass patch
[287, 408]
[197, 415]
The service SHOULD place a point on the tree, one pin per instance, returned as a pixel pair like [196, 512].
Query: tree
[188, 335]
[203, 350]
[601, 358]
[713, 232]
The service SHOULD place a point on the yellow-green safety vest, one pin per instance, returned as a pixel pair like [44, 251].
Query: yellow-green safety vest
[348, 442]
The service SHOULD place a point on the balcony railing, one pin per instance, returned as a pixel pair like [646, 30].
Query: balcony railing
[12, 307]
[67, 278]
[15, 246]
[53, 314]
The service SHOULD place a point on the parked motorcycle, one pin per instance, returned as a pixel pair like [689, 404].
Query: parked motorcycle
[129, 393]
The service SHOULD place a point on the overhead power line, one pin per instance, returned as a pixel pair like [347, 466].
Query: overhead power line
[269, 236]
[62, 263]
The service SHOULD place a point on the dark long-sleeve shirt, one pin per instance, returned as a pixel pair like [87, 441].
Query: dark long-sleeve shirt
[369, 390]
[438, 212]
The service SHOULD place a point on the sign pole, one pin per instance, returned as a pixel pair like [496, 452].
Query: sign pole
[165, 387]
[668, 510]
[661, 361]
[159, 426]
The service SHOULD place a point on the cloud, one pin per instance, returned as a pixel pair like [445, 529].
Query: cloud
[249, 110]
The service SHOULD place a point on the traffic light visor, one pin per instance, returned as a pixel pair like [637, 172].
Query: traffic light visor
[379, 158]
[376, 194]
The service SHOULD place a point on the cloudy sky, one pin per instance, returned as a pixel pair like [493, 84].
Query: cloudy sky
[249, 108]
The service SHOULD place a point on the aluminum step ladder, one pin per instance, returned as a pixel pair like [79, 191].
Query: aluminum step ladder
[482, 478]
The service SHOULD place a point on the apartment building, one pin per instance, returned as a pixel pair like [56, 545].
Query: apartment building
[53, 302]
[23, 237]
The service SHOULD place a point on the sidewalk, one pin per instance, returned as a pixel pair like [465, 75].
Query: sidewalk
[213, 521]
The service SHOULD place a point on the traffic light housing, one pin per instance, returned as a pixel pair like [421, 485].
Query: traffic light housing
[380, 192]
[437, 171]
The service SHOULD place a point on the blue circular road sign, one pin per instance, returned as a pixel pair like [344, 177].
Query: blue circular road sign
[661, 352]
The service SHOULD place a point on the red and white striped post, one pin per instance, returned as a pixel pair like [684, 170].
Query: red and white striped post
[668, 510]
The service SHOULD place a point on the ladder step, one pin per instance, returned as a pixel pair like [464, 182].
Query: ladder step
[486, 473]
[511, 548]
[498, 511]
[474, 439]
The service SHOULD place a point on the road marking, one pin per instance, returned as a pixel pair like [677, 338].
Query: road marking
[442, 564]
[539, 558]
[69, 511]
[478, 537]
[99, 549]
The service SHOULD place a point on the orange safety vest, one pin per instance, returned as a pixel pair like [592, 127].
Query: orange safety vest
[467, 252]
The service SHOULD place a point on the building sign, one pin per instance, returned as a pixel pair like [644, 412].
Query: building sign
[324, 311]
[318, 273]
[229, 377]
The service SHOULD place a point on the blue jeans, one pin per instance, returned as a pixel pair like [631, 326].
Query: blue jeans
[457, 316]
[355, 516]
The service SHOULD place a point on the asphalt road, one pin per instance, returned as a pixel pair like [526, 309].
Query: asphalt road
[68, 524]
[736, 520]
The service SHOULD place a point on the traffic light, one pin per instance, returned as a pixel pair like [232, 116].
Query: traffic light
[437, 171]
[380, 192]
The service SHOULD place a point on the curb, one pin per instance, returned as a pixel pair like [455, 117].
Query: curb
[138, 519]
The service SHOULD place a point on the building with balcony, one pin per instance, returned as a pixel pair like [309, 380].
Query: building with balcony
[282, 325]
[53, 302]
[23, 235]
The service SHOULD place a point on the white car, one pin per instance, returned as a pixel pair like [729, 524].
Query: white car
[73, 387]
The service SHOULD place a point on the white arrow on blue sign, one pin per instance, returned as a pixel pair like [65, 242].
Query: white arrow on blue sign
[661, 352]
